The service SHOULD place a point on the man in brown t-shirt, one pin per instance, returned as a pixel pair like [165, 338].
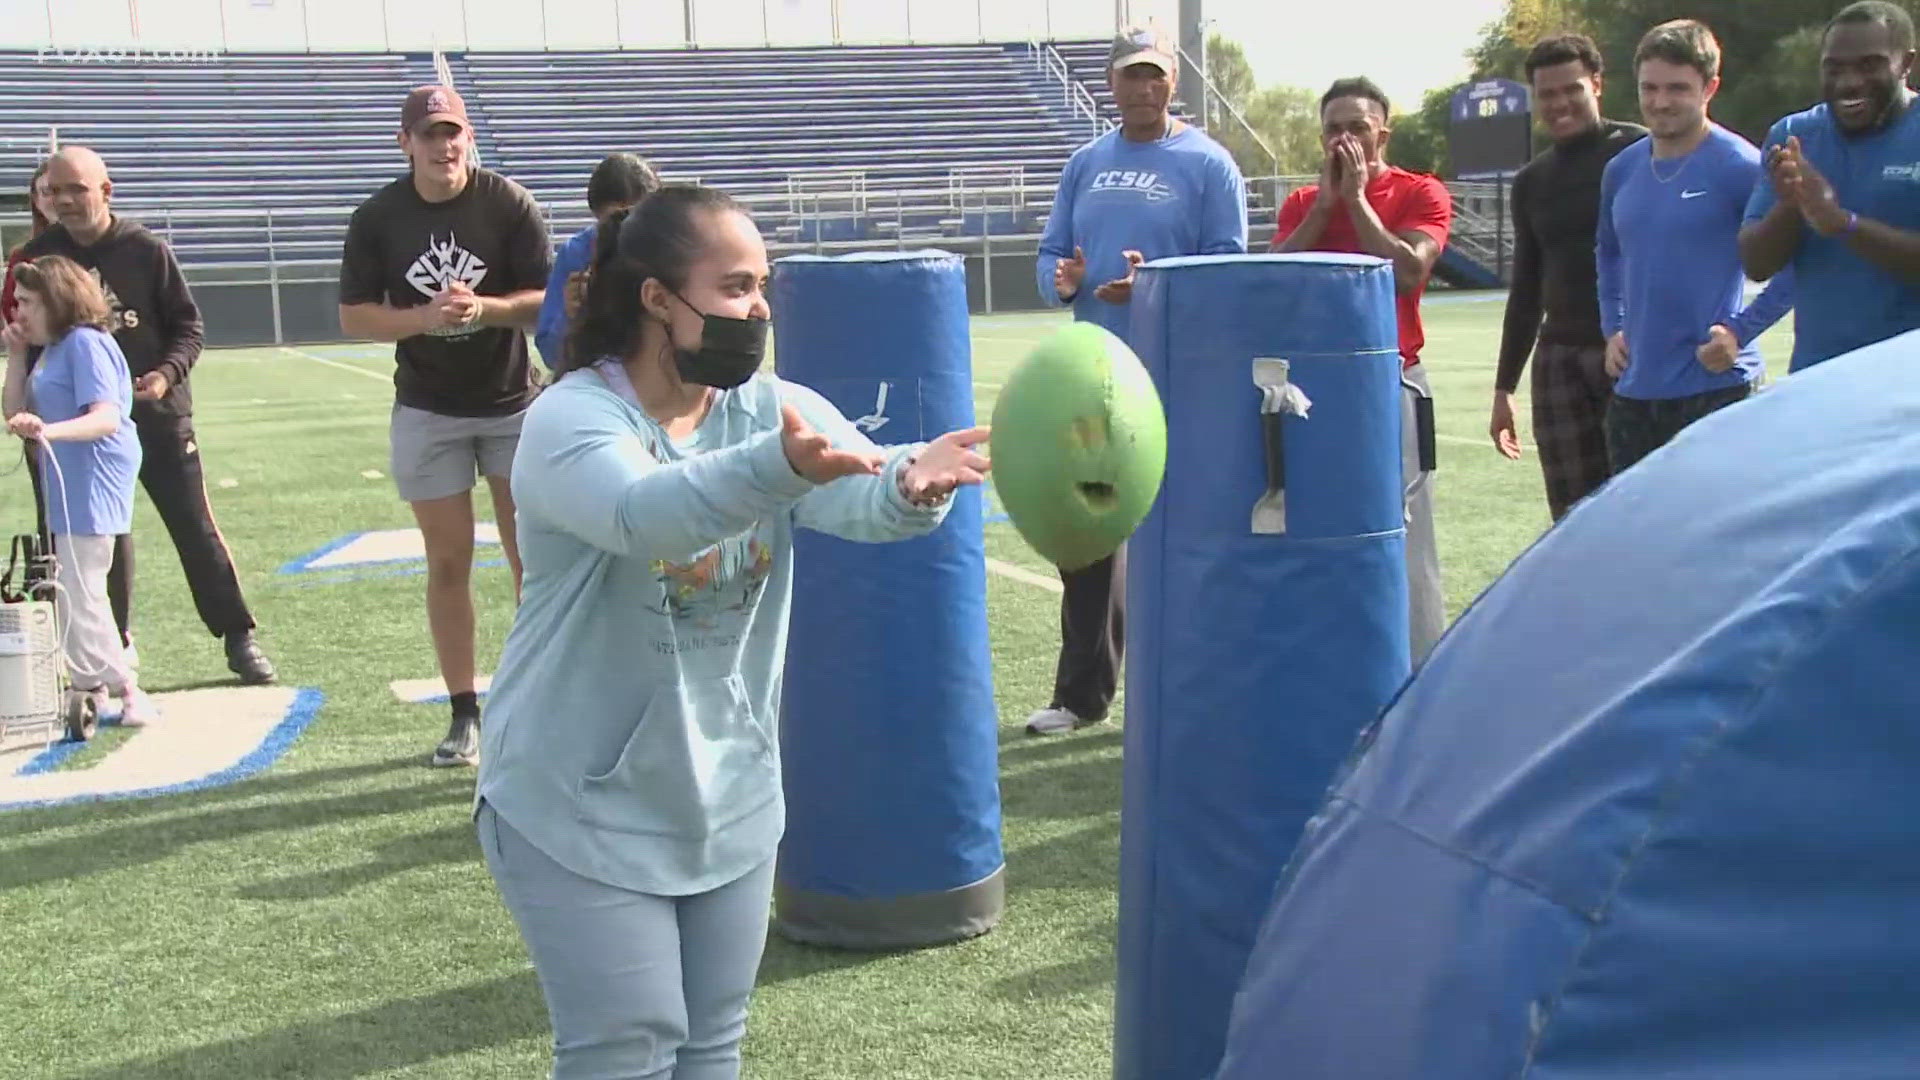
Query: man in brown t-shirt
[450, 263]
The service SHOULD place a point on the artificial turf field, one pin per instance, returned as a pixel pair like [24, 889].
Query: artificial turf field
[332, 918]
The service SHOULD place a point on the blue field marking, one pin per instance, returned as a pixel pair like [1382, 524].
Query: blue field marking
[407, 567]
[346, 575]
[53, 756]
[300, 565]
[306, 706]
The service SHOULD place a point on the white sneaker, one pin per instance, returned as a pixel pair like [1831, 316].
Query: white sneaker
[137, 709]
[1052, 722]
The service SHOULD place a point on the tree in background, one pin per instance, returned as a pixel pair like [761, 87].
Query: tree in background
[1770, 49]
[1769, 68]
[1419, 140]
[1286, 117]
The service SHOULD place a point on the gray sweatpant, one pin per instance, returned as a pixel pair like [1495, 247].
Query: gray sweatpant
[1427, 605]
[92, 645]
[638, 987]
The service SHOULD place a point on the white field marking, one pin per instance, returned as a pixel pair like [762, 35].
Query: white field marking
[416, 691]
[334, 364]
[229, 482]
[199, 733]
[1021, 573]
[372, 474]
[392, 545]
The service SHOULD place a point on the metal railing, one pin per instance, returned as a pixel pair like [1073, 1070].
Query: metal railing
[270, 276]
[1208, 87]
[1074, 96]
[24, 146]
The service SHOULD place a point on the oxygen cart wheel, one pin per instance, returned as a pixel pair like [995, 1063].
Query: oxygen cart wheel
[83, 716]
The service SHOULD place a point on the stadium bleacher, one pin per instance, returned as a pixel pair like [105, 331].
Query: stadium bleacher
[230, 135]
[849, 143]
[250, 164]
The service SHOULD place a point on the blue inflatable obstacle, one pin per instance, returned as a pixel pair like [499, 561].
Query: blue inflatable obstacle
[1650, 809]
[889, 732]
[1268, 621]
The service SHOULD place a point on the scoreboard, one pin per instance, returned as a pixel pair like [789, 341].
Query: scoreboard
[1489, 129]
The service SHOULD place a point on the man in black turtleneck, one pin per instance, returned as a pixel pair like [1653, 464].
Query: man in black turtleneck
[1556, 213]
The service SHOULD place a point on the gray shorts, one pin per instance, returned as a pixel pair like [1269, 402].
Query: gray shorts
[438, 457]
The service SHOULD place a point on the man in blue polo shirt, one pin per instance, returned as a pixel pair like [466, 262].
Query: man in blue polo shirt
[618, 182]
[1840, 206]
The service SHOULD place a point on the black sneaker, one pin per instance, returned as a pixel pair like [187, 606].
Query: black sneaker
[245, 659]
[462, 744]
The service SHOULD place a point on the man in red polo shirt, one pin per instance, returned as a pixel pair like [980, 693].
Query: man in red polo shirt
[1364, 206]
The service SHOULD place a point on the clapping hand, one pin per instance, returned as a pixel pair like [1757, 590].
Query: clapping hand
[575, 296]
[946, 463]
[1349, 168]
[455, 305]
[1797, 183]
[1120, 290]
[1069, 273]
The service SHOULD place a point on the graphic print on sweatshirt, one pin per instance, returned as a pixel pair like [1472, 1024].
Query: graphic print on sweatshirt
[1147, 185]
[122, 317]
[724, 579]
[440, 265]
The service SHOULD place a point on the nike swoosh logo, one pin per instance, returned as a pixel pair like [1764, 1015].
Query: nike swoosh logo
[1691, 194]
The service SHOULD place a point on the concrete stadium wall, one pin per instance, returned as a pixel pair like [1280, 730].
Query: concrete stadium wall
[155, 31]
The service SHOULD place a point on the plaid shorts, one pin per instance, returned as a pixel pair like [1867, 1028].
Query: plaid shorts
[1636, 428]
[1570, 391]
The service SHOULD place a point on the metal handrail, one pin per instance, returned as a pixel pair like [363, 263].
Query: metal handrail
[1208, 87]
[934, 190]
[1074, 94]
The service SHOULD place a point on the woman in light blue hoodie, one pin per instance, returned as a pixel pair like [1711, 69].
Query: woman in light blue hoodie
[629, 801]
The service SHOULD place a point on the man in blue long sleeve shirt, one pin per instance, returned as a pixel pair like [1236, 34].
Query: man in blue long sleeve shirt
[1152, 188]
[1671, 284]
[617, 183]
[1841, 206]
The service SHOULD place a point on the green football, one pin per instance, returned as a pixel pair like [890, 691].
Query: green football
[1079, 445]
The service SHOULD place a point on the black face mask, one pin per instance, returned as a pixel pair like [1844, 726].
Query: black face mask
[731, 350]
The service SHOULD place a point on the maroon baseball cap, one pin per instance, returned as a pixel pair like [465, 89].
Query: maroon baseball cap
[427, 105]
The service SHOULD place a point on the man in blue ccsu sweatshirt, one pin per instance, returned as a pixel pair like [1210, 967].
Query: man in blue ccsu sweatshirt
[1679, 340]
[1152, 188]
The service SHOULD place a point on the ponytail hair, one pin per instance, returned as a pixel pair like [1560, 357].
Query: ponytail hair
[661, 237]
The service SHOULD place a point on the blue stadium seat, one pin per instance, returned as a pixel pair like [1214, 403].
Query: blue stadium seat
[235, 155]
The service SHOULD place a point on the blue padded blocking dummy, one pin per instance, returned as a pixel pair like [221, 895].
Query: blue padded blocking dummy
[889, 732]
[1650, 807]
[1254, 658]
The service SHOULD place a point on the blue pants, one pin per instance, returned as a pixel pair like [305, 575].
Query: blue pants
[637, 986]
